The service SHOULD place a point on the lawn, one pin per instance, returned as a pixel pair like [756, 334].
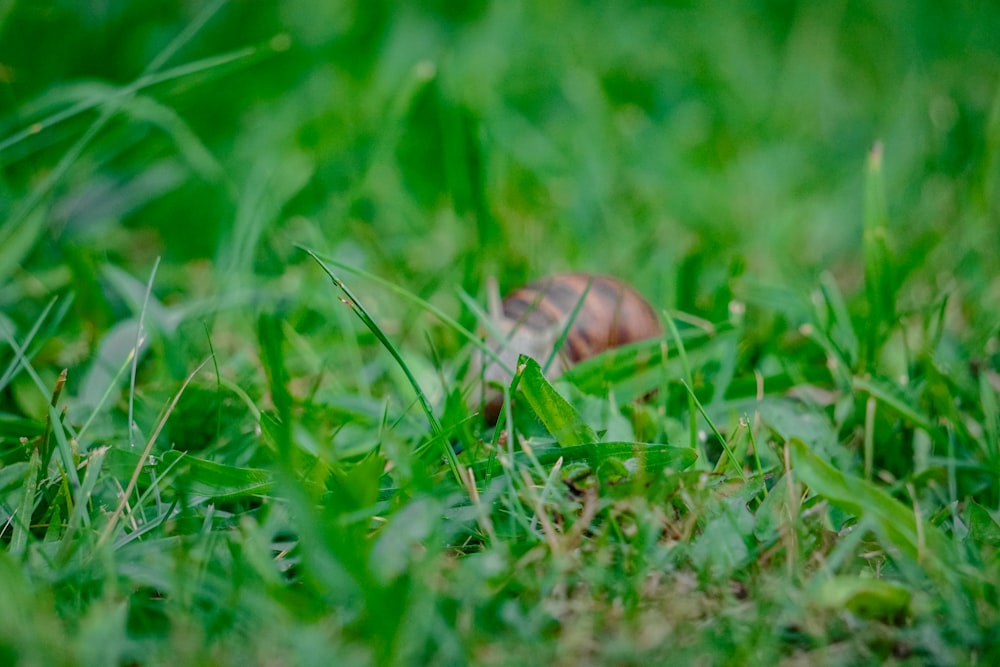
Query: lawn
[245, 256]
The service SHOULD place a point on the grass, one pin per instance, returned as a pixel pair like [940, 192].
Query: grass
[209, 454]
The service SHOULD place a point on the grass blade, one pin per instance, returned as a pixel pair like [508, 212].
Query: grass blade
[907, 534]
[689, 382]
[113, 521]
[879, 282]
[558, 416]
[22, 522]
[722, 439]
[216, 482]
[469, 336]
[354, 304]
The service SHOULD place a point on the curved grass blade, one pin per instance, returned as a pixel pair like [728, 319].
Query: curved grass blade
[452, 323]
[150, 76]
[354, 304]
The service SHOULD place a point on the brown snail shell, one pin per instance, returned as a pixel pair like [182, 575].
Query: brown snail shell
[531, 320]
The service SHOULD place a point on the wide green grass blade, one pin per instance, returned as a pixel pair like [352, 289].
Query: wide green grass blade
[865, 597]
[559, 417]
[215, 482]
[904, 532]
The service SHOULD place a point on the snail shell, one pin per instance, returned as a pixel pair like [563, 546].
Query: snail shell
[531, 320]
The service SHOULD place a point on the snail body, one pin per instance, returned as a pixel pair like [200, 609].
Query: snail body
[600, 312]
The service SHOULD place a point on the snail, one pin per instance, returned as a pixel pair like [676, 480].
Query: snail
[531, 320]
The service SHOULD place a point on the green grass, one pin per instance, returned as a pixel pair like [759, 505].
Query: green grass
[211, 454]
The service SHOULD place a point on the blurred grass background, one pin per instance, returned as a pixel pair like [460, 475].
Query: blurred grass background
[711, 153]
[682, 145]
